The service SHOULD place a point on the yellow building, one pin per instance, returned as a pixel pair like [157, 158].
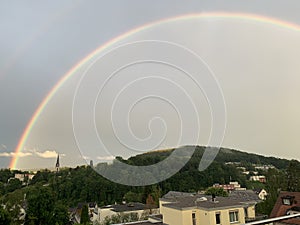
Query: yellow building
[199, 209]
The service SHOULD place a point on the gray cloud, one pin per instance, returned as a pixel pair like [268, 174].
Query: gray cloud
[257, 67]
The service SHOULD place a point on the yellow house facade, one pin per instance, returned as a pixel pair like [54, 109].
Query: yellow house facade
[203, 210]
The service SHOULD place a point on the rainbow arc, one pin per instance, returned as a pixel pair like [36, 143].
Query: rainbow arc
[88, 58]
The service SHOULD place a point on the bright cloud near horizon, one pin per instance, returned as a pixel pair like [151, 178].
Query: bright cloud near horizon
[48, 154]
[255, 63]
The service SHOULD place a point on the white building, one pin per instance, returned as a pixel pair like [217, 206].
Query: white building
[262, 194]
[100, 213]
[259, 178]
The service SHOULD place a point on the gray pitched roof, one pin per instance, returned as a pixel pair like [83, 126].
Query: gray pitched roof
[246, 195]
[205, 201]
[126, 207]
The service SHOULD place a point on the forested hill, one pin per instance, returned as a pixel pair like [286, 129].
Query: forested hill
[71, 186]
[225, 155]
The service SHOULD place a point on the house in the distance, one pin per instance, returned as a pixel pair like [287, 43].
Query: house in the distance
[263, 167]
[287, 203]
[259, 178]
[233, 185]
[23, 177]
[262, 193]
[196, 209]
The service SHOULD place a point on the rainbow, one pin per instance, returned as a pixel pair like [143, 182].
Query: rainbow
[60, 83]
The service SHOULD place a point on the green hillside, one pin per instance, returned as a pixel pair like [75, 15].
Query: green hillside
[224, 155]
[71, 186]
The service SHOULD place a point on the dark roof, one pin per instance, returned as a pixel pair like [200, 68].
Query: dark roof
[156, 216]
[245, 195]
[205, 201]
[172, 194]
[80, 205]
[126, 207]
[181, 200]
[280, 209]
[92, 204]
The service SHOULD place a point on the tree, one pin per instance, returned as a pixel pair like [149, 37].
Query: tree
[40, 206]
[13, 184]
[132, 197]
[5, 174]
[1, 188]
[216, 192]
[293, 176]
[275, 183]
[84, 218]
[156, 194]
[60, 214]
[4, 216]
[150, 203]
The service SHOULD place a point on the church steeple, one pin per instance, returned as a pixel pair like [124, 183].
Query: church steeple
[57, 163]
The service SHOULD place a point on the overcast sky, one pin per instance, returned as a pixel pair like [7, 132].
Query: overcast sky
[256, 65]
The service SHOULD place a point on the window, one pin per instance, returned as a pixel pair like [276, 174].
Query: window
[286, 201]
[218, 218]
[246, 212]
[234, 216]
[194, 218]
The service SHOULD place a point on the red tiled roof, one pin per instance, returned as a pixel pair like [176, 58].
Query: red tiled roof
[280, 209]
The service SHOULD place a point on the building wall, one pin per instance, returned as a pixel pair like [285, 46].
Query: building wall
[173, 216]
[187, 216]
[161, 208]
[251, 211]
[102, 213]
[203, 217]
[224, 216]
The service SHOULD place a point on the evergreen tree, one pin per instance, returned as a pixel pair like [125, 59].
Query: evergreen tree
[84, 219]
[293, 176]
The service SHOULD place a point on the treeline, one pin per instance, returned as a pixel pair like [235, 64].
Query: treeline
[224, 155]
[287, 179]
[83, 184]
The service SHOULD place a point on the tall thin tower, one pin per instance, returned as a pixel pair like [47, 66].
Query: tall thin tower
[57, 163]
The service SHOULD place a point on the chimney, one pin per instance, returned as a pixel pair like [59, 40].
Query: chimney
[213, 197]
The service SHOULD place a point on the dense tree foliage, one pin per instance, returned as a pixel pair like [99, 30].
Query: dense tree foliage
[133, 197]
[216, 192]
[293, 178]
[60, 213]
[13, 184]
[5, 174]
[44, 208]
[49, 194]
[276, 182]
[84, 218]
[4, 216]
